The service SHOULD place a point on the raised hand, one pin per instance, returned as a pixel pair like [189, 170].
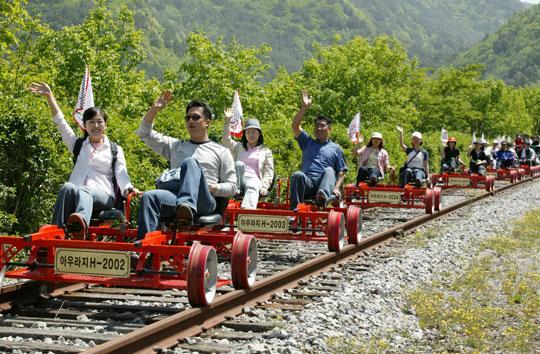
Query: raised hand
[228, 113]
[161, 102]
[306, 99]
[40, 89]
[399, 129]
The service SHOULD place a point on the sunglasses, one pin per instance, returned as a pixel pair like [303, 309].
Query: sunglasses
[193, 117]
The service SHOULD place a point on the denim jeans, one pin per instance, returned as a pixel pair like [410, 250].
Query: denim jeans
[192, 189]
[478, 169]
[410, 174]
[505, 164]
[303, 185]
[365, 173]
[83, 200]
[451, 166]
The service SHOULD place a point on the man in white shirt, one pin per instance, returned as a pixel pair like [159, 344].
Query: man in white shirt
[206, 168]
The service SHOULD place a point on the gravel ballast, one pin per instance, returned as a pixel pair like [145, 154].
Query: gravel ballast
[372, 305]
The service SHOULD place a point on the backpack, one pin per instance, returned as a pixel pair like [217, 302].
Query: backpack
[118, 197]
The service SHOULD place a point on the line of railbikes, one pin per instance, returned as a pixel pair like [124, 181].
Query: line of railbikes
[186, 257]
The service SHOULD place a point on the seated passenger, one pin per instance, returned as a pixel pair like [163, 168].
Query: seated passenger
[479, 159]
[254, 163]
[527, 155]
[91, 186]
[505, 157]
[493, 153]
[416, 167]
[373, 160]
[536, 145]
[205, 168]
[323, 161]
[450, 160]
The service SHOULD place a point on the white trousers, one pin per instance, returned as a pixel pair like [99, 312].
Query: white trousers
[249, 185]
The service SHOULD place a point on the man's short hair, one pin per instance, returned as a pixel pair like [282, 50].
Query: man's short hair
[207, 110]
[328, 120]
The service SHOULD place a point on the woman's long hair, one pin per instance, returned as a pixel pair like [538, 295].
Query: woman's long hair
[370, 144]
[245, 142]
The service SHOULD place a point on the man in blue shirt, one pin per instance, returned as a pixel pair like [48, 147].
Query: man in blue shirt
[505, 157]
[323, 162]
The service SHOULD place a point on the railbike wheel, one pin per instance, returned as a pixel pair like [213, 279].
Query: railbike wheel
[490, 183]
[513, 176]
[244, 261]
[436, 199]
[428, 201]
[354, 224]
[201, 274]
[335, 231]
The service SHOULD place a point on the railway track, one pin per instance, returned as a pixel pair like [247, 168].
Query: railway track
[119, 320]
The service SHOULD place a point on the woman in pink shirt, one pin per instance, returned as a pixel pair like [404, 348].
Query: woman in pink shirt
[254, 162]
[373, 160]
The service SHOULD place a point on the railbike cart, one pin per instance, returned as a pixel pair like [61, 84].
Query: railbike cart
[311, 221]
[392, 196]
[183, 259]
[512, 174]
[532, 171]
[463, 180]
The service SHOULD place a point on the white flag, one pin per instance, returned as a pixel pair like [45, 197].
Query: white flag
[482, 138]
[235, 124]
[474, 137]
[444, 135]
[354, 127]
[85, 99]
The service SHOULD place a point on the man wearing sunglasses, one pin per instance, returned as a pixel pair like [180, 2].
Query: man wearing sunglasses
[206, 168]
[323, 162]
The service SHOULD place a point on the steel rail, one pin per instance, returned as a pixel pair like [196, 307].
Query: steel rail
[166, 333]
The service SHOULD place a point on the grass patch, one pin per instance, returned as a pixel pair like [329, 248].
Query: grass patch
[420, 238]
[495, 304]
[352, 345]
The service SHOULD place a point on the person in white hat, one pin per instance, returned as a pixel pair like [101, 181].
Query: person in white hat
[491, 152]
[373, 160]
[416, 166]
[254, 162]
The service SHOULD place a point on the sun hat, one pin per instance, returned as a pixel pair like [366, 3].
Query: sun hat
[452, 140]
[417, 134]
[376, 135]
[253, 123]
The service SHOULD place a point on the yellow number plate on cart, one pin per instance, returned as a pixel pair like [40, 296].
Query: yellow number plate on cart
[384, 197]
[458, 181]
[263, 223]
[92, 262]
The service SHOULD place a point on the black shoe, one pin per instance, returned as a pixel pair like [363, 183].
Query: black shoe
[418, 183]
[184, 214]
[372, 181]
[133, 259]
[320, 200]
